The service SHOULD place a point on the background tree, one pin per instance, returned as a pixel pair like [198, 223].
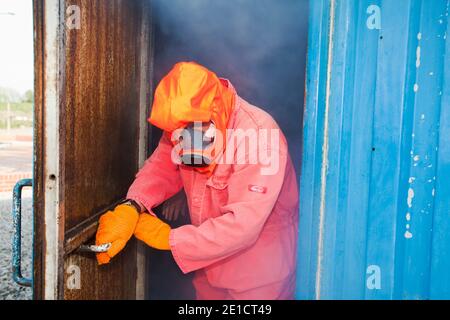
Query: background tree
[28, 96]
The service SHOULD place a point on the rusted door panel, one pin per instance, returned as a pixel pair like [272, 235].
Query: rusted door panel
[100, 140]
[114, 281]
[38, 134]
[99, 86]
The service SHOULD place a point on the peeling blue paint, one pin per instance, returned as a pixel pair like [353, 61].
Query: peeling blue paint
[387, 182]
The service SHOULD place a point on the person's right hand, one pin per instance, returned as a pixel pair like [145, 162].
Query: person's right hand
[175, 206]
[115, 227]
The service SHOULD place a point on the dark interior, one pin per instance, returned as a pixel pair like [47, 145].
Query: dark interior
[260, 46]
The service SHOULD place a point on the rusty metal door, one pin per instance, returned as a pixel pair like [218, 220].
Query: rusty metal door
[92, 66]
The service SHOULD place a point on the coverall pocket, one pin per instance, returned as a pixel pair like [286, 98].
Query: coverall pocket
[218, 191]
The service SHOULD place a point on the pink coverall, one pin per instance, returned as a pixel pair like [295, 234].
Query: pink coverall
[242, 242]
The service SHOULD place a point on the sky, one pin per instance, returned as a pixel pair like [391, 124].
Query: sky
[16, 45]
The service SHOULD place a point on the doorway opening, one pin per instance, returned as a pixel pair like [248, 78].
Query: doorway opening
[261, 49]
[91, 106]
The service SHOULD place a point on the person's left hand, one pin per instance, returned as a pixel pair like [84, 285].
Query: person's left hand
[154, 232]
[175, 206]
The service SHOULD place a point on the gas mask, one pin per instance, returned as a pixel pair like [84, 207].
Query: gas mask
[196, 143]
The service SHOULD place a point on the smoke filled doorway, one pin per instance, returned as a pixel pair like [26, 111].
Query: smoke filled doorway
[260, 46]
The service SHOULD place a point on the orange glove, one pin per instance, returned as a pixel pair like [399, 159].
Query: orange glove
[153, 231]
[115, 227]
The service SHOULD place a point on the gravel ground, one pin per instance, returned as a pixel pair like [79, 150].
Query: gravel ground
[9, 290]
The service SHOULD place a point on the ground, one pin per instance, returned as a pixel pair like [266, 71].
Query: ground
[15, 157]
[15, 163]
[8, 288]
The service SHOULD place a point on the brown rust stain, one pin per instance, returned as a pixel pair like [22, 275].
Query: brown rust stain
[99, 142]
[39, 240]
[113, 281]
[99, 112]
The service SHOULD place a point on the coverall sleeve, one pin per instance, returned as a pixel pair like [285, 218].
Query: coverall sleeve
[241, 222]
[159, 178]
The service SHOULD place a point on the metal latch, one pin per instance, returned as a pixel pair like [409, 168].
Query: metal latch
[94, 248]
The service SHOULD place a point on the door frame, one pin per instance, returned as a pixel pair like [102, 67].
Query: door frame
[47, 221]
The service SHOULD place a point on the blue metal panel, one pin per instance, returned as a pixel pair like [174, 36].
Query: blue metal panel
[376, 160]
[313, 126]
[440, 263]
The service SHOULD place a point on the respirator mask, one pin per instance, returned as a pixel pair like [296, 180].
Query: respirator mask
[195, 144]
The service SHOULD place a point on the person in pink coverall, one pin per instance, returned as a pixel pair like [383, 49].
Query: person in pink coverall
[242, 242]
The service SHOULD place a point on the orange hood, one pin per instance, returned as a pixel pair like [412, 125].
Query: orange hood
[189, 93]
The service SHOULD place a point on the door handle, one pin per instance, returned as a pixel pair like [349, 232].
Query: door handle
[94, 249]
[17, 234]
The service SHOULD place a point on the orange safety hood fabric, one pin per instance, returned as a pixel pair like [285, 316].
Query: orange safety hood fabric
[190, 93]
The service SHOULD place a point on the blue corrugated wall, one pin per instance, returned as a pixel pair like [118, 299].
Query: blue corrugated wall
[375, 182]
